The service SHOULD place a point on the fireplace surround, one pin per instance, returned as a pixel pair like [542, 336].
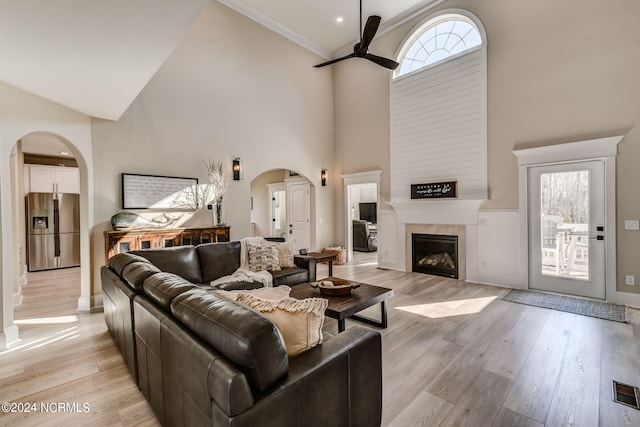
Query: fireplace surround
[458, 230]
[434, 254]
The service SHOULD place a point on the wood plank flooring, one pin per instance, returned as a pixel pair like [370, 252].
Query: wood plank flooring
[453, 355]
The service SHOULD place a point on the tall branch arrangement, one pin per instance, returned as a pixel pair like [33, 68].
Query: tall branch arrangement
[216, 186]
[197, 197]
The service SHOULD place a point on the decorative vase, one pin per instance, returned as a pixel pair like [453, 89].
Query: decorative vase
[218, 212]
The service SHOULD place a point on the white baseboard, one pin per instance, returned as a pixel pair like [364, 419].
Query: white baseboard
[17, 297]
[90, 304]
[390, 265]
[629, 299]
[9, 336]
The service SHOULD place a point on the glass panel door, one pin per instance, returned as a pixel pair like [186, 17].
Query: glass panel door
[566, 216]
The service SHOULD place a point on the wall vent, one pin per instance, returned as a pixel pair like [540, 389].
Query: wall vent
[626, 394]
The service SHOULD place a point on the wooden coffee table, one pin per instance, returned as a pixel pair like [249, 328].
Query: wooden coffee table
[342, 307]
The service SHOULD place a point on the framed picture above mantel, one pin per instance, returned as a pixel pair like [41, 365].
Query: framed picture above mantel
[434, 190]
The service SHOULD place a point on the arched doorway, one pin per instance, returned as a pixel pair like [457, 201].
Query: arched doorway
[45, 151]
[282, 206]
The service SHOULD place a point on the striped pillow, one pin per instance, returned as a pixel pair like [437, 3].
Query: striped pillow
[263, 257]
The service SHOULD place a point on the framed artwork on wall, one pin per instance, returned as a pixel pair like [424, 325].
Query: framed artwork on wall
[154, 191]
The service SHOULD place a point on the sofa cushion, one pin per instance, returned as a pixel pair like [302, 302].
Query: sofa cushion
[250, 341]
[285, 253]
[290, 276]
[163, 287]
[137, 272]
[218, 259]
[234, 286]
[180, 260]
[119, 261]
[299, 321]
[263, 257]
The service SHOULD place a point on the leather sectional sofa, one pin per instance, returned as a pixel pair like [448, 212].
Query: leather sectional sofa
[201, 359]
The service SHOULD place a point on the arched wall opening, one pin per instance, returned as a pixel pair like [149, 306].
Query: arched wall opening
[263, 207]
[13, 189]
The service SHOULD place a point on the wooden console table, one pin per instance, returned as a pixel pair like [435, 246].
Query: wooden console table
[120, 241]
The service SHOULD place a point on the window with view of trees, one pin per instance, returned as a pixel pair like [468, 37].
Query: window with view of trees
[566, 195]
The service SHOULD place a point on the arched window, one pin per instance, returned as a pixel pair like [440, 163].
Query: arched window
[437, 40]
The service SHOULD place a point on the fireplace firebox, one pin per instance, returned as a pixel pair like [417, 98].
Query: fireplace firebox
[435, 254]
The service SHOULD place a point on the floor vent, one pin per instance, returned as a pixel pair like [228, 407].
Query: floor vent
[626, 394]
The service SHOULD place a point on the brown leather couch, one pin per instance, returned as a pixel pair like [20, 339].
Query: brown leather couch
[200, 359]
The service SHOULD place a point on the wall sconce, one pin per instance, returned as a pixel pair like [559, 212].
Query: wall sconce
[237, 169]
[323, 177]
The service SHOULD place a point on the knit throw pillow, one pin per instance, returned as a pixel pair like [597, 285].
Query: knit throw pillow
[263, 257]
[299, 321]
[285, 253]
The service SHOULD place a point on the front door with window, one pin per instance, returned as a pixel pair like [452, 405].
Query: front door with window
[566, 228]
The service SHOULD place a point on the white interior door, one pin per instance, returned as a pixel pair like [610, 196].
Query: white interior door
[278, 210]
[566, 228]
[299, 210]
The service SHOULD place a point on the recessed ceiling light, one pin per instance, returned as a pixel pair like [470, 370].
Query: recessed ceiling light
[64, 153]
[339, 19]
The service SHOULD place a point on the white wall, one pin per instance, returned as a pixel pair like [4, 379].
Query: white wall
[499, 256]
[22, 113]
[232, 88]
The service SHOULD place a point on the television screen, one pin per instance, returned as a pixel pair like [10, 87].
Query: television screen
[368, 212]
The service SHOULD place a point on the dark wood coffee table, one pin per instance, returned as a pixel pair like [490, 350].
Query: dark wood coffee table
[342, 307]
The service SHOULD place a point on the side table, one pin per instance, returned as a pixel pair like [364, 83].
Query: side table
[324, 257]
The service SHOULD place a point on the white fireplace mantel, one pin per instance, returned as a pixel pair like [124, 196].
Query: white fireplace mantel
[456, 211]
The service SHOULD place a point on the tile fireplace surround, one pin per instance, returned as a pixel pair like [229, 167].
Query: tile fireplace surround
[441, 229]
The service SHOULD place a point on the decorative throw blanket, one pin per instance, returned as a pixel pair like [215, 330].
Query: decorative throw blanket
[242, 275]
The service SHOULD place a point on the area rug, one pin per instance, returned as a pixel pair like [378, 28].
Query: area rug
[601, 310]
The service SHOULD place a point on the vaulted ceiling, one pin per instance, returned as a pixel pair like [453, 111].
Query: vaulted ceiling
[95, 56]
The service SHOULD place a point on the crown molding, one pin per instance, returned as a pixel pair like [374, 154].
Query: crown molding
[276, 27]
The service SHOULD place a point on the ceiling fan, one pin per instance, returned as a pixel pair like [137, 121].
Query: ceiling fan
[361, 50]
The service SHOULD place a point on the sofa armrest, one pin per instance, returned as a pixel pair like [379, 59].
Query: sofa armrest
[117, 299]
[359, 351]
[308, 263]
[336, 383]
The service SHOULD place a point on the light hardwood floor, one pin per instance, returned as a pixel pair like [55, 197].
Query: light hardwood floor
[453, 355]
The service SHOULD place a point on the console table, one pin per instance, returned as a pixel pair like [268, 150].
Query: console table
[120, 241]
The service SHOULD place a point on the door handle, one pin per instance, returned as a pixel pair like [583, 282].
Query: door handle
[599, 233]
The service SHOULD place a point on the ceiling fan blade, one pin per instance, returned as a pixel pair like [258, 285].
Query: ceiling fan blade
[387, 63]
[370, 29]
[333, 61]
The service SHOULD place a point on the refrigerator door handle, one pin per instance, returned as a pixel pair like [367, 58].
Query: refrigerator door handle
[56, 228]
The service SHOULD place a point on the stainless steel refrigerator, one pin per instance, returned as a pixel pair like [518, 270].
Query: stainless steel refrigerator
[53, 230]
